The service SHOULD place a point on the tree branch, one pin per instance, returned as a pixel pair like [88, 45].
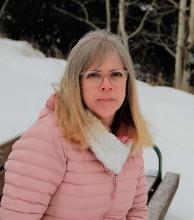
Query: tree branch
[3, 8]
[64, 12]
[141, 23]
[83, 8]
[157, 40]
[88, 1]
[176, 5]
[165, 47]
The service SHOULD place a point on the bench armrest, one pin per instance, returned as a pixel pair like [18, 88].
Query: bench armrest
[162, 197]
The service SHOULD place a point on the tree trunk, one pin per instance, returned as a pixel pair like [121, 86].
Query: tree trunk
[121, 24]
[108, 15]
[188, 54]
[180, 45]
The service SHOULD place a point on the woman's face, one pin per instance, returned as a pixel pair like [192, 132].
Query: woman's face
[104, 87]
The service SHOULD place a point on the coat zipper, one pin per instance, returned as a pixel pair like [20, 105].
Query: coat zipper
[115, 177]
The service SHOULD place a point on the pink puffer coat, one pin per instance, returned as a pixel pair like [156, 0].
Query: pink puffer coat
[47, 178]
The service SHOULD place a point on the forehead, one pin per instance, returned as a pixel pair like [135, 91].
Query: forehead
[95, 52]
[111, 60]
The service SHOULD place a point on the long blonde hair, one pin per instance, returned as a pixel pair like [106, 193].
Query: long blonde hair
[70, 110]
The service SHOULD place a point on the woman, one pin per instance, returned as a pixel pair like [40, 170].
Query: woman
[82, 159]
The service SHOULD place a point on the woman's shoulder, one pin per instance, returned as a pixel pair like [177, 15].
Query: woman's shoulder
[43, 128]
[42, 137]
[136, 159]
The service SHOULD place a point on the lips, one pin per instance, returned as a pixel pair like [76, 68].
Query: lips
[105, 99]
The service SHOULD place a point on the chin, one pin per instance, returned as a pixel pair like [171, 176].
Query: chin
[105, 114]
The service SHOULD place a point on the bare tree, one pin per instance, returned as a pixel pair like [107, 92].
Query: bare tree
[121, 22]
[172, 38]
[108, 15]
[122, 19]
[189, 45]
[173, 43]
[159, 36]
[140, 26]
[180, 44]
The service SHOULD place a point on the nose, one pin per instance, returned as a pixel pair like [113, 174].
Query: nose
[106, 84]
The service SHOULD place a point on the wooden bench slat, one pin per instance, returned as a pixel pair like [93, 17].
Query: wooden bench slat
[1, 181]
[5, 150]
[162, 197]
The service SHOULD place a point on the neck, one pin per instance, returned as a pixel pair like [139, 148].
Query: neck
[107, 121]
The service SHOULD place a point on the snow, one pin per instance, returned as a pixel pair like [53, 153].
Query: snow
[26, 80]
[169, 114]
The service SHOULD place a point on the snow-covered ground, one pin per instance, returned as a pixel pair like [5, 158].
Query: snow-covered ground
[169, 113]
[26, 81]
[26, 78]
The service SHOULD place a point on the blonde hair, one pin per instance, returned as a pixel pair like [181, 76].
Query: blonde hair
[69, 108]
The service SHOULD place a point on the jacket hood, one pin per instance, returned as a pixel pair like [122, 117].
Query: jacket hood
[49, 106]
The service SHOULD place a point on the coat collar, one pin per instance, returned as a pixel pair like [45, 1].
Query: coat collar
[107, 147]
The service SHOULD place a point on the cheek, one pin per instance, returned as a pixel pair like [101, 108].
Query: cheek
[121, 93]
[87, 95]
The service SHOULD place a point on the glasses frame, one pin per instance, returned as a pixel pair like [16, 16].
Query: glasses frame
[82, 74]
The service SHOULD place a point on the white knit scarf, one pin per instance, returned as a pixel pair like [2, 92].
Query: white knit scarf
[106, 146]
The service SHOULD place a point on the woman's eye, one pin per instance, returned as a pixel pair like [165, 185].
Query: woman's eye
[116, 74]
[93, 75]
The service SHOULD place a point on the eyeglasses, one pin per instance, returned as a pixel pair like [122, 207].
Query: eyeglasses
[95, 78]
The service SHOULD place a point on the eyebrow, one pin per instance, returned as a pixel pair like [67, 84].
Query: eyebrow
[102, 71]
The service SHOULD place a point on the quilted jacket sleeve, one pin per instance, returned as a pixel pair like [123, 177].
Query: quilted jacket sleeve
[34, 170]
[139, 210]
